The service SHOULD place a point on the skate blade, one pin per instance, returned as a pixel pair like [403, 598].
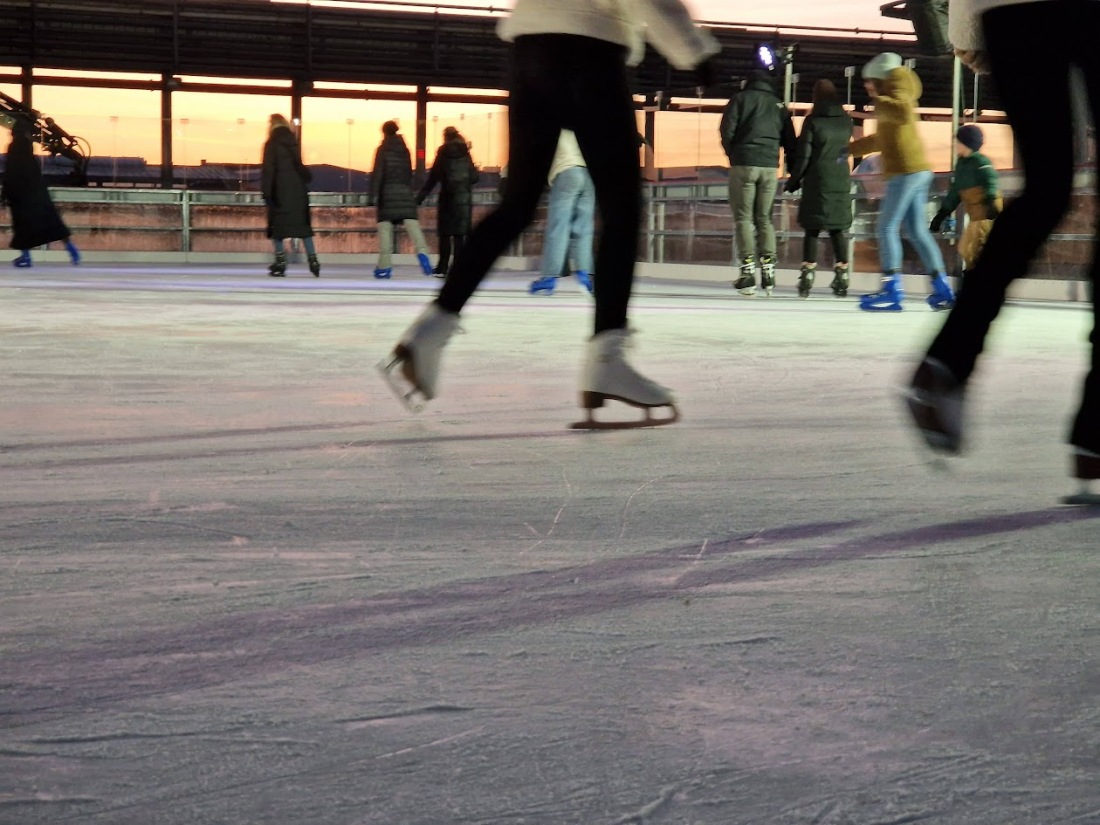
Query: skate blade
[411, 396]
[1084, 498]
[925, 421]
[591, 423]
[748, 291]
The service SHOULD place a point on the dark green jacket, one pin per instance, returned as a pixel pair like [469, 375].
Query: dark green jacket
[755, 125]
[821, 168]
[972, 172]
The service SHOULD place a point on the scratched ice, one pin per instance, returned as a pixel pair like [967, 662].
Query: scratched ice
[240, 584]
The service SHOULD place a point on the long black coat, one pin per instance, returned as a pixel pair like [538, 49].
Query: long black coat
[456, 175]
[391, 181]
[284, 187]
[34, 218]
[822, 169]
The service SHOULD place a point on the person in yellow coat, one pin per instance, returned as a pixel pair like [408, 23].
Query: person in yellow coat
[895, 90]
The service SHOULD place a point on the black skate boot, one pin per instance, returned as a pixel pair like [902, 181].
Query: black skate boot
[806, 280]
[315, 266]
[767, 274]
[278, 266]
[746, 284]
[839, 286]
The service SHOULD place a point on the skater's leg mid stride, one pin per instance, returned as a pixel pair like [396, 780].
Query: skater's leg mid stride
[564, 79]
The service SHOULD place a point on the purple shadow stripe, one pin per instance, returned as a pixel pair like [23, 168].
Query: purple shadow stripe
[256, 645]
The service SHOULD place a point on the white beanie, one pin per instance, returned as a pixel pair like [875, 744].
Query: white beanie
[879, 67]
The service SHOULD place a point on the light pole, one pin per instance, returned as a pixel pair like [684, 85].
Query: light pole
[240, 167]
[183, 133]
[114, 150]
[350, 122]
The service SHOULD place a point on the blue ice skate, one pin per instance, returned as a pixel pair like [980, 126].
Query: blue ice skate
[942, 296]
[887, 299]
[425, 264]
[24, 260]
[546, 285]
[386, 272]
[585, 280]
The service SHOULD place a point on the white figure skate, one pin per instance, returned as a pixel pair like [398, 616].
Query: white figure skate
[412, 371]
[608, 377]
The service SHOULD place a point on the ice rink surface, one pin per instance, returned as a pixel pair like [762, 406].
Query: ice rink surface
[241, 584]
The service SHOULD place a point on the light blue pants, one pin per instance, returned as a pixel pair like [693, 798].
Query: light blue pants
[280, 246]
[905, 206]
[570, 222]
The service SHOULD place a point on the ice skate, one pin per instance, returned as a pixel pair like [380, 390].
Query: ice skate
[425, 264]
[74, 253]
[278, 266]
[546, 285]
[839, 286]
[1086, 469]
[315, 266]
[767, 274]
[942, 297]
[412, 370]
[585, 280]
[24, 260]
[381, 272]
[806, 280]
[746, 283]
[887, 299]
[608, 377]
[935, 403]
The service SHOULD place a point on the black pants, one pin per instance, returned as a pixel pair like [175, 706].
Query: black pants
[840, 245]
[445, 242]
[561, 81]
[1031, 47]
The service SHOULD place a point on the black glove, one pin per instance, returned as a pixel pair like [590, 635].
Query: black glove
[706, 73]
[937, 222]
[991, 210]
[792, 185]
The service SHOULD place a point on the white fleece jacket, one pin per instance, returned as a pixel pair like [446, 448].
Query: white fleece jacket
[964, 26]
[664, 23]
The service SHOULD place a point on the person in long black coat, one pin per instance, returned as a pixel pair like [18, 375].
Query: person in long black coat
[284, 186]
[455, 173]
[34, 218]
[821, 170]
[392, 194]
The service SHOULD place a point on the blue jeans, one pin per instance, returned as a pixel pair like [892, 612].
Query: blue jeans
[905, 207]
[570, 222]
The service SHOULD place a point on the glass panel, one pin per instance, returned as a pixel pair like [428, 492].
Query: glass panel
[340, 136]
[485, 127]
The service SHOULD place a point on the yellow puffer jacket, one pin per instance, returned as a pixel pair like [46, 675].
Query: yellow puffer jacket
[897, 138]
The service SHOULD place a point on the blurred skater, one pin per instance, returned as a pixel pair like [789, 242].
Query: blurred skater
[821, 171]
[284, 187]
[455, 173]
[570, 218]
[34, 218]
[1034, 87]
[392, 194]
[568, 71]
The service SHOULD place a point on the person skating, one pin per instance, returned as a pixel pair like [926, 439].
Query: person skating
[821, 171]
[34, 218]
[895, 90]
[568, 70]
[977, 186]
[570, 218]
[285, 191]
[454, 171]
[755, 126]
[1033, 86]
[392, 194]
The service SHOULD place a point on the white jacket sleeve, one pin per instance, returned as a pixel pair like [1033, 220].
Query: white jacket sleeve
[672, 32]
[964, 26]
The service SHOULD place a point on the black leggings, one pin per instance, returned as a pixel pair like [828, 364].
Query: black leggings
[1033, 85]
[561, 81]
[840, 245]
[445, 250]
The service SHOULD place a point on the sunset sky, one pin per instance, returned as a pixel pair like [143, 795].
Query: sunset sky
[231, 127]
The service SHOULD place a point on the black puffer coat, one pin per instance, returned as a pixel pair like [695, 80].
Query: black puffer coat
[456, 175]
[34, 218]
[284, 187]
[756, 125]
[391, 181]
[821, 167]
